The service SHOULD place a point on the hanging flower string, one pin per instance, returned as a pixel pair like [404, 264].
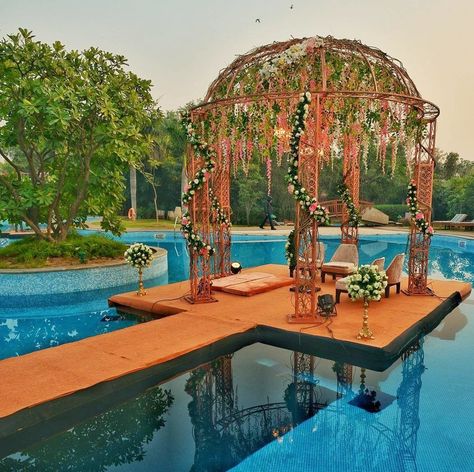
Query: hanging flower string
[201, 149]
[221, 217]
[345, 194]
[416, 214]
[310, 204]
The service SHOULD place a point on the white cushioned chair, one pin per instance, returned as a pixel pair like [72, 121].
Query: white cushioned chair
[394, 273]
[343, 262]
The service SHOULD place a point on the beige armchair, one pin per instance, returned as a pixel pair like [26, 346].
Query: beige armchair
[341, 284]
[343, 262]
[394, 273]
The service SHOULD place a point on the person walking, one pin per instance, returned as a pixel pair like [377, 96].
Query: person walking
[268, 213]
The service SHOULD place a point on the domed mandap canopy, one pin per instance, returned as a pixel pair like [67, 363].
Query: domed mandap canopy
[309, 101]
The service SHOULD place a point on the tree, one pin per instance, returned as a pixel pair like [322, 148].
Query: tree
[251, 189]
[72, 125]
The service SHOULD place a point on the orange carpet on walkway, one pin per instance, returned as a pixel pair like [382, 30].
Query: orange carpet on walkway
[41, 376]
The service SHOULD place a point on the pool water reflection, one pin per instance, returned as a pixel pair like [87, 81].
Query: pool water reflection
[264, 408]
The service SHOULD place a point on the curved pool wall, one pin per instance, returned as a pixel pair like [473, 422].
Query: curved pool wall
[36, 288]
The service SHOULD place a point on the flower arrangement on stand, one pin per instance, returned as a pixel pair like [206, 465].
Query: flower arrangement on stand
[290, 253]
[300, 194]
[201, 149]
[367, 283]
[416, 214]
[345, 194]
[139, 256]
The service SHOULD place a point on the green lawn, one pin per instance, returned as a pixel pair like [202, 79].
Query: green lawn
[141, 224]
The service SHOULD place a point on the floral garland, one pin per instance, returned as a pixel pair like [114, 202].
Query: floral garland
[345, 194]
[290, 249]
[318, 212]
[201, 149]
[138, 255]
[368, 283]
[417, 215]
[221, 217]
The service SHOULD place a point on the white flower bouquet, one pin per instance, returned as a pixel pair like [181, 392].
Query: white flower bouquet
[138, 255]
[367, 283]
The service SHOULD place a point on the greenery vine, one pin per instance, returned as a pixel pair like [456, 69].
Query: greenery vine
[308, 203]
[290, 253]
[346, 197]
[416, 214]
[201, 149]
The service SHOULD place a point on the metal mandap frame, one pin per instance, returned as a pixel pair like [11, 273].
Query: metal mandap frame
[360, 96]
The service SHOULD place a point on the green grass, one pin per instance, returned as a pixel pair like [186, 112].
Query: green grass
[141, 224]
[32, 253]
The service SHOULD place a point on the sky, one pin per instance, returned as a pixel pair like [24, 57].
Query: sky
[182, 45]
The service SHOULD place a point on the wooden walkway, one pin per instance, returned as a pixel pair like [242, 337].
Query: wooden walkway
[37, 378]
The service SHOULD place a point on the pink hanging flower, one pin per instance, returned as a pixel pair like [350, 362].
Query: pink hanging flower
[419, 216]
[313, 207]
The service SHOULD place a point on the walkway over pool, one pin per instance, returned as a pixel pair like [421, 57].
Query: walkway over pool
[57, 382]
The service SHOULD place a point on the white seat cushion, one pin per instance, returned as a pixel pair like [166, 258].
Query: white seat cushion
[341, 284]
[339, 267]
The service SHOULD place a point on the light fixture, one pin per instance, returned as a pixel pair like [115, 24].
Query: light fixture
[235, 267]
[326, 306]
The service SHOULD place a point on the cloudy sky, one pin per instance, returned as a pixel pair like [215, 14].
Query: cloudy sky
[182, 44]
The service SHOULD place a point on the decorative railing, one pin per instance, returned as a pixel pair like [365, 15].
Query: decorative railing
[335, 207]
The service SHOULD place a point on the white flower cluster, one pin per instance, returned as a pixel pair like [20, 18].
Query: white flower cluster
[286, 58]
[138, 255]
[289, 56]
[368, 283]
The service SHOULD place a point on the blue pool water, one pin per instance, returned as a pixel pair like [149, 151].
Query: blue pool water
[24, 330]
[270, 409]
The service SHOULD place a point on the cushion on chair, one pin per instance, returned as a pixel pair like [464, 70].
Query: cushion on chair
[341, 284]
[339, 267]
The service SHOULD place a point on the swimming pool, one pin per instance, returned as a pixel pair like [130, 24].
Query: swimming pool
[264, 408]
[25, 329]
[269, 409]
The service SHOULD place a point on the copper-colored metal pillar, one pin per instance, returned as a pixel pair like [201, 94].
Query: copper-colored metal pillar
[200, 264]
[351, 173]
[306, 229]
[419, 242]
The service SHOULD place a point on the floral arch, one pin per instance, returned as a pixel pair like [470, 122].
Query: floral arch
[313, 100]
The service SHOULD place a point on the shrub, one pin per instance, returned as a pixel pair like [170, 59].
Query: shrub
[32, 252]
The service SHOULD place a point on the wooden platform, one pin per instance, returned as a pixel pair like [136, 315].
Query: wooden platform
[31, 382]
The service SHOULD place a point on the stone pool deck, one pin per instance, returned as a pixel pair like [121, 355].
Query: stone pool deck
[29, 382]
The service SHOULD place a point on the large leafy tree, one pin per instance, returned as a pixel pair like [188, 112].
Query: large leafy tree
[71, 124]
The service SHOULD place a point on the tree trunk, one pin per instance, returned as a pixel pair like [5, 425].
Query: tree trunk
[133, 188]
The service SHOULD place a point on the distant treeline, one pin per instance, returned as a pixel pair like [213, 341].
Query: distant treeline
[453, 186]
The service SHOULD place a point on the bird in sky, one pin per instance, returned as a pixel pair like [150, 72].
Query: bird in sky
[257, 20]
[291, 7]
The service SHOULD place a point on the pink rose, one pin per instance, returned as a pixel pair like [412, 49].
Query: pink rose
[184, 221]
[313, 207]
[291, 188]
[430, 230]
[419, 216]
[407, 201]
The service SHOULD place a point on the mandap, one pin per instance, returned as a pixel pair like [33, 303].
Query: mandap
[307, 101]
